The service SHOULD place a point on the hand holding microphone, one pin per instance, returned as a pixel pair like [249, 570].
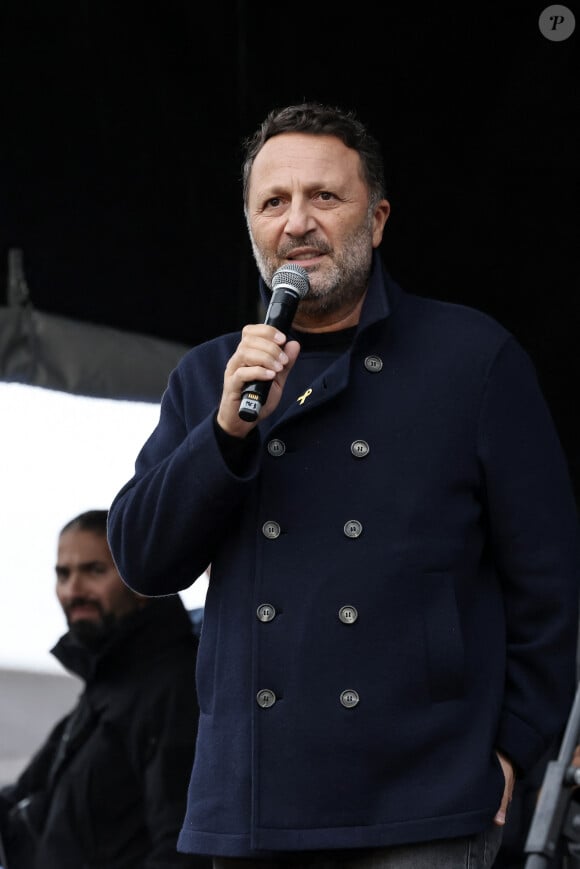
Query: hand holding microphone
[289, 285]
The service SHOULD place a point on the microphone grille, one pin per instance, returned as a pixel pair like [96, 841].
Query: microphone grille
[294, 276]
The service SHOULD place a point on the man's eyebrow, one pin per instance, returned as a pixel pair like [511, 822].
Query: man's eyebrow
[85, 565]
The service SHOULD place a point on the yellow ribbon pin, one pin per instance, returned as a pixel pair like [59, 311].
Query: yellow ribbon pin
[302, 398]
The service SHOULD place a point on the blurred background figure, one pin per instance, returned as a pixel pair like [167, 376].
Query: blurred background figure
[108, 787]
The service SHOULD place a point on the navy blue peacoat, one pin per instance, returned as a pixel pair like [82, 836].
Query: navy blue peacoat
[394, 582]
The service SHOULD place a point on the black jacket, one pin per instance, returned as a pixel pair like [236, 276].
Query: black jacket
[108, 788]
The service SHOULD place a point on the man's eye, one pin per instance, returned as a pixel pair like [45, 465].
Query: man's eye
[326, 195]
[274, 202]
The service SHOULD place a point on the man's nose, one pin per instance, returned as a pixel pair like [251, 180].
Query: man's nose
[299, 218]
[74, 586]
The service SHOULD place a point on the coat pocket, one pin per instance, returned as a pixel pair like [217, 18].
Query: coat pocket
[443, 637]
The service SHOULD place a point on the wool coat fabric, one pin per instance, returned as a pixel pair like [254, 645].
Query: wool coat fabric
[108, 788]
[394, 581]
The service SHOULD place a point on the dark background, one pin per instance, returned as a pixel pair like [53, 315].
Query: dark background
[121, 146]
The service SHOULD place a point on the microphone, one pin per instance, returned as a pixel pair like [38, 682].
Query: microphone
[289, 285]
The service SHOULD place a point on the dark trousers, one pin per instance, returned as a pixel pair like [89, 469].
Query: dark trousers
[468, 852]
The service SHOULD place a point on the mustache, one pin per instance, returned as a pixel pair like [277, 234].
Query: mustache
[83, 602]
[305, 241]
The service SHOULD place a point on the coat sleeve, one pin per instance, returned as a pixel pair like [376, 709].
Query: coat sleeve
[34, 777]
[23, 803]
[166, 521]
[534, 529]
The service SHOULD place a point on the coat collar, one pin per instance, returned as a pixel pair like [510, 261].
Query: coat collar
[381, 300]
[138, 637]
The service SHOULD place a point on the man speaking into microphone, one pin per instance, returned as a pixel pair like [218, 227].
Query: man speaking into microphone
[390, 623]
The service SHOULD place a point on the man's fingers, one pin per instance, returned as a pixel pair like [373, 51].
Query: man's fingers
[509, 777]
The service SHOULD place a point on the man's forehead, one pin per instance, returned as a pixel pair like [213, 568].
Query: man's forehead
[304, 154]
[83, 546]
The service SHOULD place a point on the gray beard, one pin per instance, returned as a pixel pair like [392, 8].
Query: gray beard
[343, 286]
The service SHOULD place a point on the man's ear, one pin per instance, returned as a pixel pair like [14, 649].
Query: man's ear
[380, 217]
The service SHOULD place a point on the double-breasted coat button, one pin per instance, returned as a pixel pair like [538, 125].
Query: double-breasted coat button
[271, 529]
[276, 447]
[349, 698]
[353, 528]
[373, 363]
[265, 698]
[348, 615]
[359, 449]
[266, 612]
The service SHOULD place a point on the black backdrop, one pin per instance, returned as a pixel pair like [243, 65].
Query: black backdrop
[120, 144]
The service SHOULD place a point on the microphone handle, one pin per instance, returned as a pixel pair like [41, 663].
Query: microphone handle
[280, 313]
